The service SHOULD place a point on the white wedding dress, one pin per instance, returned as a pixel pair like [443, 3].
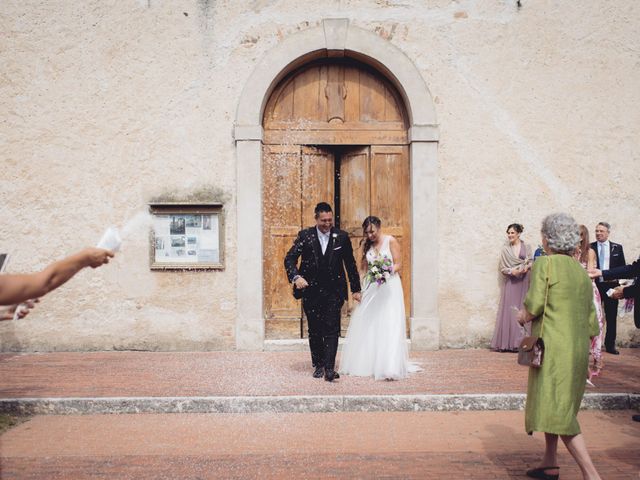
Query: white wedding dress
[376, 344]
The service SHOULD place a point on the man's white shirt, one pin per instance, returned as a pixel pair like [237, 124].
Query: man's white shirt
[324, 239]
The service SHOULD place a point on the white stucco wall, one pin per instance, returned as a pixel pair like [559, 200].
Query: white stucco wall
[108, 104]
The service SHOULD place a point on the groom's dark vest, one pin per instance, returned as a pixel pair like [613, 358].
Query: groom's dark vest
[324, 275]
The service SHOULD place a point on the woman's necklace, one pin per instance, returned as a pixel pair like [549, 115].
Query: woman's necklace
[376, 247]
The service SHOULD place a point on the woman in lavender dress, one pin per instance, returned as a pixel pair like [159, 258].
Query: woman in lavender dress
[515, 263]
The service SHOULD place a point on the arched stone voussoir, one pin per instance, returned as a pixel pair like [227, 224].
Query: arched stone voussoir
[335, 37]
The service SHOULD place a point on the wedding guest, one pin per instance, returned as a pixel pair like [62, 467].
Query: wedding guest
[18, 288]
[631, 291]
[587, 258]
[609, 255]
[515, 262]
[560, 305]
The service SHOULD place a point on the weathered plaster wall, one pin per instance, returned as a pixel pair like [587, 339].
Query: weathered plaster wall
[108, 104]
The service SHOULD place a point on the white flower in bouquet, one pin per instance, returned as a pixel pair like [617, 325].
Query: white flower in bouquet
[380, 270]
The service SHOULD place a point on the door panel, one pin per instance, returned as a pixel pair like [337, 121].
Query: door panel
[318, 167]
[390, 190]
[354, 189]
[295, 179]
[282, 217]
[375, 181]
[318, 170]
[354, 204]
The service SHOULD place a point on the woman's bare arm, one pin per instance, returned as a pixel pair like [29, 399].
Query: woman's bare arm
[19, 288]
[591, 260]
[396, 252]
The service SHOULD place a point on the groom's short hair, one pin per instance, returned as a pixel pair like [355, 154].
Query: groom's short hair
[322, 207]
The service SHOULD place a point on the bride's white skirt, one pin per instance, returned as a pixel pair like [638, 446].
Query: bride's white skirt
[376, 343]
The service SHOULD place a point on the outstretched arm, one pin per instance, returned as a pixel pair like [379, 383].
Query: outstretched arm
[19, 288]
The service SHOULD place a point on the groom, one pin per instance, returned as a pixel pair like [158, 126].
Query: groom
[321, 283]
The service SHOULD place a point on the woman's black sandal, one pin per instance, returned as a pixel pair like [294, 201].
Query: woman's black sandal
[542, 473]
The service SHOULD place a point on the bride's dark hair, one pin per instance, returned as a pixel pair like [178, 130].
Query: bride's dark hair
[370, 220]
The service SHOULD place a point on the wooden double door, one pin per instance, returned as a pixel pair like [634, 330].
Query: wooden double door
[358, 181]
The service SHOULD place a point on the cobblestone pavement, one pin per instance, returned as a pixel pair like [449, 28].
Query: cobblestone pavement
[159, 374]
[383, 445]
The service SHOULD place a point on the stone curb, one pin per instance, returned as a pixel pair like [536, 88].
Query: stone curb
[297, 404]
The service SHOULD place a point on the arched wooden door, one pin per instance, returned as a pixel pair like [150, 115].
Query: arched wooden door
[335, 131]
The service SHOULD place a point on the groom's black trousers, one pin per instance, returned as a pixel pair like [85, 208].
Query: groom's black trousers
[323, 317]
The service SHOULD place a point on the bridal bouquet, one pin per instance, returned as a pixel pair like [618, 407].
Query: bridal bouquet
[380, 270]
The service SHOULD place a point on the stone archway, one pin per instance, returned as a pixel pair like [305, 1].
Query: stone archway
[337, 38]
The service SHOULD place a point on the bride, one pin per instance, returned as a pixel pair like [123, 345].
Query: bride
[376, 342]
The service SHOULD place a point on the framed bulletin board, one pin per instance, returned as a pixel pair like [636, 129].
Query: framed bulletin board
[187, 237]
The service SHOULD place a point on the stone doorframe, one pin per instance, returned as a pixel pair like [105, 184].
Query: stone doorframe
[337, 38]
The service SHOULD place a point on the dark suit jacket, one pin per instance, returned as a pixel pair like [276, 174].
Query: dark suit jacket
[338, 257]
[616, 255]
[633, 291]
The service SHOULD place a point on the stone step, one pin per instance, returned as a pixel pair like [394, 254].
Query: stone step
[298, 404]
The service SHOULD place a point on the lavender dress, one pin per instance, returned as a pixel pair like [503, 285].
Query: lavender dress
[508, 332]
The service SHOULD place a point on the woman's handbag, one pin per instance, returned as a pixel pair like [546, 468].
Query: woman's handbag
[531, 350]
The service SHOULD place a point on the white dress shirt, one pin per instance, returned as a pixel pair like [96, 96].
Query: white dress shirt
[324, 239]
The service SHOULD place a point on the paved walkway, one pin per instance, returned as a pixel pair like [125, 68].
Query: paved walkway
[160, 374]
[369, 430]
[385, 445]
[198, 382]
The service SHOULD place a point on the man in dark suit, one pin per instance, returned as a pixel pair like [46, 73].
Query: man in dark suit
[321, 283]
[610, 255]
[632, 291]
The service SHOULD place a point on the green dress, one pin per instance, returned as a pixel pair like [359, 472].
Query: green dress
[556, 389]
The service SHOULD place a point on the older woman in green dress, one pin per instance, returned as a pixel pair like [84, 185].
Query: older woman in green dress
[555, 390]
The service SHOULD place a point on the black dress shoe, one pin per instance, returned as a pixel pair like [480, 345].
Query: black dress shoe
[613, 351]
[330, 375]
[318, 372]
[635, 418]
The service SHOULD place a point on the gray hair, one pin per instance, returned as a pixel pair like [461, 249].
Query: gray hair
[561, 231]
[605, 225]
